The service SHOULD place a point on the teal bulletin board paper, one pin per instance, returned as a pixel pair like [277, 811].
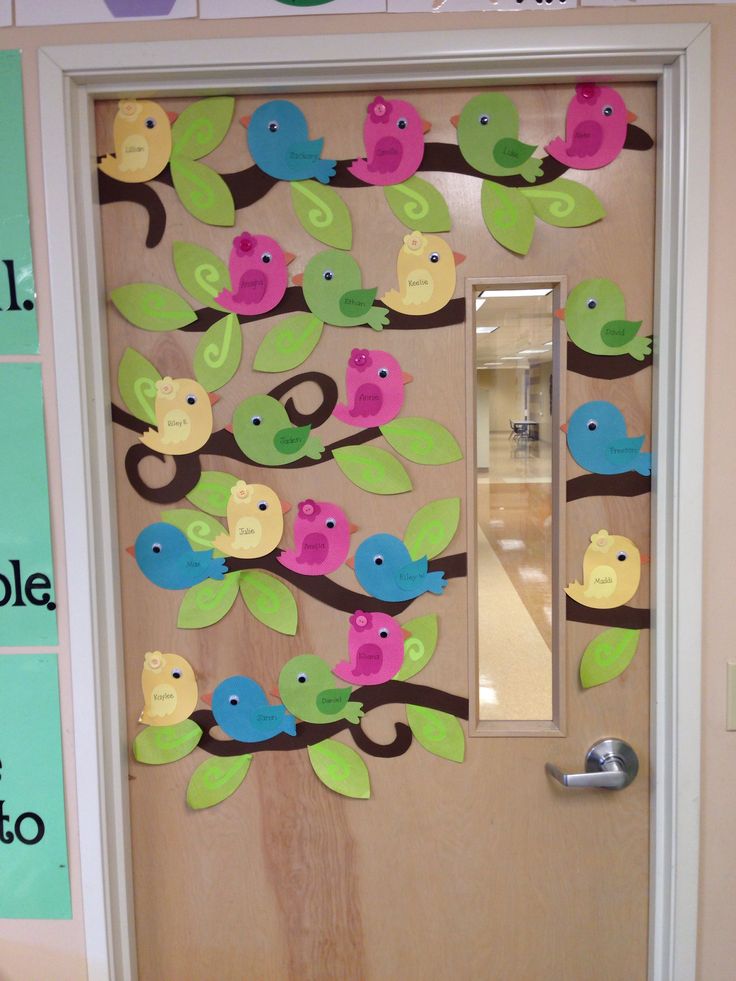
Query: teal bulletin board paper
[18, 326]
[34, 871]
[27, 599]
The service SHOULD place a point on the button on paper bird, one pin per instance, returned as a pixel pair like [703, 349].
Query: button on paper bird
[183, 416]
[333, 291]
[375, 649]
[258, 275]
[488, 137]
[611, 572]
[164, 556]
[385, 570]
[307, 689]
[595, 317]
[595, 128]
[394, 142]
[141, 133]
[426, 269]
[263, 432]
[243, 712]
[255, 521]
[321, 539]
[597, 441]
[374, 383]
[170, 689]
[278, 140]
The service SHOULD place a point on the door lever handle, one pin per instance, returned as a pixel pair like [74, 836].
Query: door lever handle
[610, 763]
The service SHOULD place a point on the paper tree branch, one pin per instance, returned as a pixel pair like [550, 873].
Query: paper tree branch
[609, 367]
[607, 485]
[621, 616]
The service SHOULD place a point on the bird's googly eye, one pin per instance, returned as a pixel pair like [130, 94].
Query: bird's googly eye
[330, 523]
[592, 304]
[191, 399]
[176, 673]
[273, 126]
[156, 548]
[328, 275]
[622, 556]
[256, 420]
[402, 123]
[607, 110]
[233, 700]
[434, 257]
[484, 120]
[150, 123]
[383, 372]
[263, 506]
[266, 257]
[383, 633]
[592, 425]
[302, 678]
[378, 560]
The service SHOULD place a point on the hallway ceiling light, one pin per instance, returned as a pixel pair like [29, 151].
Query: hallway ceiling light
[542, 291]
[485, 330]
[492, 364]
[513, 357]
[534, 350]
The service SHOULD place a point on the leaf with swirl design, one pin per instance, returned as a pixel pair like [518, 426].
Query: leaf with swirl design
[432, 528]
[340, 768]
[509, 217]
[289, 343]
[218, 353]
[201, 529]
[137, 383]
[372, 469]
[419, 648]
[152, 307]
[202, 274]
[269, 600]
[422, 440]
[208, 602]
[211, 493]
[166, 744]
[203, 192]
[439, 732]
[565, 203]
[216, 779]
[202, 127]
[608, 655]
[322, 213]
[418, 205]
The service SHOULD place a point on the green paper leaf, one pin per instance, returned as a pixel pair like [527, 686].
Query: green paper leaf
[322, 213]
[422, 440]
[202, 274]
[608, 655]
[216, 779]
[200, 529]
[418, 205]
[208, 602]
[137, 383]
[218, 353]
[432, 528]
[211, 493]
[565, 203]
[509, 217]
[289, 343]
[439, 732]
[340, 768]
[419, 648]
[152, 307]
[372, 469]
[202, 127]
[269, 600]
[166, 744]
[203, 192]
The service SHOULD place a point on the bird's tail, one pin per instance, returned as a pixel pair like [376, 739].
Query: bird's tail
[226, 299]
[152, 439]
[218, 568]
[377, 318]
[224, 544]
[640, 348]
[392, 299]
[354, 712]
[576, 592]
[324, 170]
[342, 413]
[315, 448]
[344, 672]
[109, 165]
[531, 169]
[644, 464]
[436, 582]
[288, 560]
[555, 148]
[359, 168]
[289, 724]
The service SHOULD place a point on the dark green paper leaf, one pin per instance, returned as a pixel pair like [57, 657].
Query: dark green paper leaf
[208, 602]
[432, 528]
[270, 601]
[202, 127]
[137, 379]
[372, 469]
[508, 216]
[202, 274]
[422, 440]
[418, 205]
[322, 213]
[608, 655]
[152, 307]
[439, 732]
[166, 744]
[288, 343]
[340, 768]
[211, 493]
[218, 353]
[419, 648]
[203, 192]
[565, 203]
[216, 779]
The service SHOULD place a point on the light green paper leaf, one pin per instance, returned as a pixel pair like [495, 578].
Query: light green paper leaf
[152, 307]
[322, 213]
[137, 383]
[202, 274]
[270, 601]
[608, 655]
[432, 528]
[218, 353]
[208, 602]
[288, 343]
[372, 469]
[422, 440]
[565, 203]
[200, 528]
[509, 217]
[419, 648]
[216, 779]
[166, 744]
[419, 205]
[211, 493]
[202, 127]
[203, 192]
[439, 732]
[340, 768]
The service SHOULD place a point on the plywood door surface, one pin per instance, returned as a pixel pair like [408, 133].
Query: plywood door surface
[483, 869]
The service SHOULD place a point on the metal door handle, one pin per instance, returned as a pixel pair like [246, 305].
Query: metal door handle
[610, 763]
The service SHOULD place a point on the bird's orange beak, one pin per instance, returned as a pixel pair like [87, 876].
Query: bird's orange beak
[563, 427]
[245, 121]
[173, 116]
[289, 257]
[207, 698]
[631, 116]
[405, 633]
[214, 398]
[455, 120]
[229, 427]
[350, 562]
[426, 126]
[298, 279]
[354, 528]
[458, 257]
[406, 377]
[274, 692]
[560, 314]
[131, 550]
[645, 559]
[286, 506]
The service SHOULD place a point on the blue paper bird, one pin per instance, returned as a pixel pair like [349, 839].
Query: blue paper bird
[597, 440]
[242, 711]
[278, 140]
[164, 556]
[386, 570]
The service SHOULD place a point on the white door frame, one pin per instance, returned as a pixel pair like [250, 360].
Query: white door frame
[71, 77]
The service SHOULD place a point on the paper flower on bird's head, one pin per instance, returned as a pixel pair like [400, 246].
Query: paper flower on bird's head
[153, 661]
[587, 93]
[241, 492]
[309, 509]
[129, 109]
[601, 541]
[360, 358]
[379, 110]
[244, 244]
[361, 621]
[415, 242]
[166, 388]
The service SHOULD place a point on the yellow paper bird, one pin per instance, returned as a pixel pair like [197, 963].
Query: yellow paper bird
[426, 268]
[255, 521]
[169, 689]
[611, 572]
[142, 136]
[183, 417]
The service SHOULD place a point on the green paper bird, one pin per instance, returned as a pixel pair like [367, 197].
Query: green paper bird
[333, 291]
[264, 433]
[307, 689]
[487, 134]
[595, 317]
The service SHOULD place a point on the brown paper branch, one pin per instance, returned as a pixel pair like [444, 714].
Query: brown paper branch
[608, 485]
[628, 617]
[608, 366]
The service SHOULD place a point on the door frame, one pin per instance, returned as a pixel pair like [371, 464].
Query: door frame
[677, 57]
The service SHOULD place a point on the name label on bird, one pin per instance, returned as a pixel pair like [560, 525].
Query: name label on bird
[129, 148]
[177, 423]
[163, 696]
[603, 580]
[369, 397]
[301, 155]
[262, 717]
[409, 577]
[623, 450]
[418, 282]
[349, 301]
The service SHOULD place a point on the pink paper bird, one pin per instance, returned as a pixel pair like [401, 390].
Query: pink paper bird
[321, 539]
[375, 389]
[595, 128]
[393, 133]
[375, 649]
[258, 275]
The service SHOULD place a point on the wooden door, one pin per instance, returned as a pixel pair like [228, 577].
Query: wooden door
[478, 869]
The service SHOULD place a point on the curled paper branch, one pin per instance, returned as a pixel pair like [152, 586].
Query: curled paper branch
[111, 191]
[621, 616]
[609, 367]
